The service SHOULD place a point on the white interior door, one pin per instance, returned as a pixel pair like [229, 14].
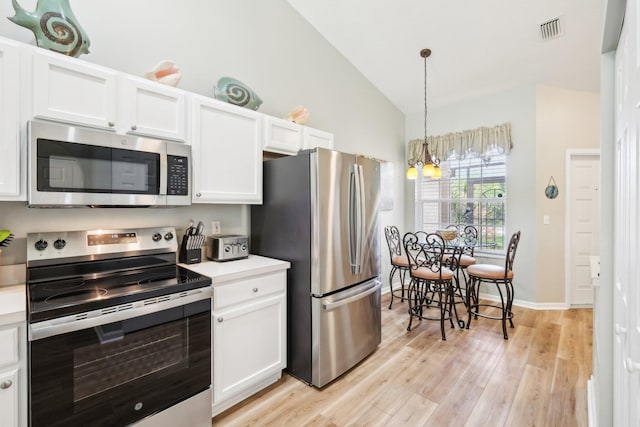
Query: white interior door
[584, 221]
[626, 241]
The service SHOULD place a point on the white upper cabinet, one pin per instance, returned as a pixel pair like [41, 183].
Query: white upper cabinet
[10, 146]
[281, 136]
[226, 151]
[316, 138]
[151, 109]
[73, 91]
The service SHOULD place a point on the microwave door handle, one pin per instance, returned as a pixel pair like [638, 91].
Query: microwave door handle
[163, 174]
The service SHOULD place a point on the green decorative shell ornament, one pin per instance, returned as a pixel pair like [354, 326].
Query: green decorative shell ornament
[237, 93]
[54, 26]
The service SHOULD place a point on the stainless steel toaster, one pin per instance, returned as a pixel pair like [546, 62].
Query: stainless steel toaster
[227, 247]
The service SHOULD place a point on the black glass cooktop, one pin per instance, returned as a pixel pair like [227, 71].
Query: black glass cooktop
[71, 295]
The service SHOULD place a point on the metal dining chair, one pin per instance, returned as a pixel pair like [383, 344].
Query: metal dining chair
[399, 262]
[502, 278]
[431, 285]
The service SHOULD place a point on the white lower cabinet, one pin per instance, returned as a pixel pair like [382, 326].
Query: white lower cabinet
[9, 398]
[13, 399]
[249, 337]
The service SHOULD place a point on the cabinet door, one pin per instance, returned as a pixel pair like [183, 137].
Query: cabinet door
[227, 153]
[151, 109]
[249, 344]
[316, 138]
[281, 136]
[70, 90]
[9, 399]
[10, 171]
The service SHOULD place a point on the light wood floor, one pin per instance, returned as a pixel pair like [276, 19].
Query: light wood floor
[475, 378]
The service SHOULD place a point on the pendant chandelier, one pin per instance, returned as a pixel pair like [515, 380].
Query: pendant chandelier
[430, 165]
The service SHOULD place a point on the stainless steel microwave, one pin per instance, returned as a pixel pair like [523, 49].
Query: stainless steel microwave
[72, 166]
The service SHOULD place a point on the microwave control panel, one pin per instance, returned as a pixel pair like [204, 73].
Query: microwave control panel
[177, 176]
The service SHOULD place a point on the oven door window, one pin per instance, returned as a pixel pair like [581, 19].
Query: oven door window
[119, 373]
[81, 168]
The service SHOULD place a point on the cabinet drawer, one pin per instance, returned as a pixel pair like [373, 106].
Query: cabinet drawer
[8, 346]
[249, 289]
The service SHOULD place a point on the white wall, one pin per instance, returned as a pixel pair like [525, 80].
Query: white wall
[518, 107]
[565, 119]
[265, 44]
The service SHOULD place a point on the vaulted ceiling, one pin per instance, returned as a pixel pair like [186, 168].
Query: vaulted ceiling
[478, 47]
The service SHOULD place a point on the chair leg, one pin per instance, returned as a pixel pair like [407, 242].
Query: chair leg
[504, 309]
[510, 302]
[412, 298]
[393, 271]
[443, 309]
[471, 300]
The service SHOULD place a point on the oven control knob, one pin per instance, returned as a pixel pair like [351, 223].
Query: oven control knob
[59, 244]
[156, 237]
[243, 247]
[41, 245]
[168, 236]
[227, 248]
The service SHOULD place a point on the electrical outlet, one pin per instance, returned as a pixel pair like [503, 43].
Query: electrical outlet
[215, 227]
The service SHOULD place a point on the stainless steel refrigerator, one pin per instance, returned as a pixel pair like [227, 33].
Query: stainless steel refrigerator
[320, 213]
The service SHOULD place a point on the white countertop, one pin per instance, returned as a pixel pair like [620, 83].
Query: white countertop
[231, 270]
[12, 304]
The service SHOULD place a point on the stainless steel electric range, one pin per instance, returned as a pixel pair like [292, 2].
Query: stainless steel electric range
[118, 333]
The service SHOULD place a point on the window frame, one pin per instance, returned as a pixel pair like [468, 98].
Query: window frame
[421, 204]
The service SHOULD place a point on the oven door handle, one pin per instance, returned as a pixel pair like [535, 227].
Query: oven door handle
[77, 322]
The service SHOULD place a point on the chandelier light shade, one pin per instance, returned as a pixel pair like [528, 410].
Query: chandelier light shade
[430, 165]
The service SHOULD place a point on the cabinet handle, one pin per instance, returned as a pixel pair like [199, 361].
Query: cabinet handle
[111, 124]
[6, 384]
[220, 319]
[198, 194]
[134, 127]
[255, 290]
[620, 330]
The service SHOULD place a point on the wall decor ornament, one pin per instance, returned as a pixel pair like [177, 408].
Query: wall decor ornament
[54, 26]
[552, 189]
[235, 92]
[166, 72]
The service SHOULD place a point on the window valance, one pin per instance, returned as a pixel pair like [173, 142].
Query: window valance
[479, 141]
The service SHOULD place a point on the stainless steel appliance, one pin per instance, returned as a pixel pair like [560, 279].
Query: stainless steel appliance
[118, 333]
[71, 166]
[227, 247]
[320, 213]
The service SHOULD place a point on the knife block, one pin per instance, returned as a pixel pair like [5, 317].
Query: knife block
[189, 256]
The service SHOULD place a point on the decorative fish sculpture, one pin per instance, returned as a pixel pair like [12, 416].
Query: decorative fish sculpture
[54, 25]
[235, 92]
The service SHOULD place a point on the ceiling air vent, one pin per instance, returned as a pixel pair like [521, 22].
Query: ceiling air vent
[551, 29]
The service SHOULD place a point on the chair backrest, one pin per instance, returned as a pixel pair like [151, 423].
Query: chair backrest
[511, 251]
[393, 241]
[424, 250]
[470, 238]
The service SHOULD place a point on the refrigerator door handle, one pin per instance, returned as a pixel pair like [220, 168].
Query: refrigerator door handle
[361, 219]
[352, 221]
[328, 306]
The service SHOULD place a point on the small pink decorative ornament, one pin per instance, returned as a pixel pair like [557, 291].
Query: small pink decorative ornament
[298, 115]
[166, 72]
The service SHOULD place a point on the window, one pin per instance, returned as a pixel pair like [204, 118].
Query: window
[472, 191]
